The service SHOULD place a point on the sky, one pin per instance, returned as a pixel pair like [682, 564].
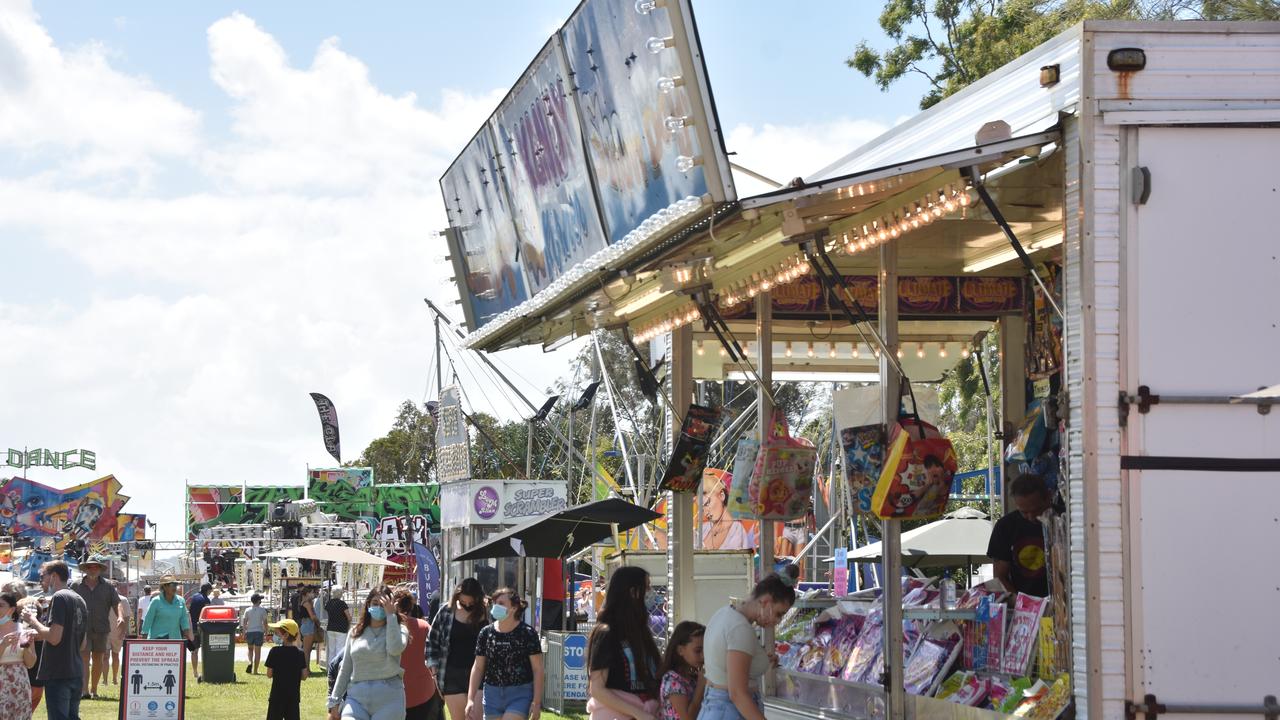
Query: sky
[209, 210]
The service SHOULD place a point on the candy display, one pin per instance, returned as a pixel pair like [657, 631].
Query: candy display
[1023, 629]
[866, 651]
[844, 637]
[932, 658]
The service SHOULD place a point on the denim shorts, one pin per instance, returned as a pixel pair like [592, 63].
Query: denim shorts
[254, 638]
[716, 705]
[307, 628]
[514, 699]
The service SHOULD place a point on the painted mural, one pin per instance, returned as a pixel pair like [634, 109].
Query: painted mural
[89, 512]
[348, 493]
[213, 505]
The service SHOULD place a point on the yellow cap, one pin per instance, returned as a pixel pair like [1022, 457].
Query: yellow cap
[288, 626]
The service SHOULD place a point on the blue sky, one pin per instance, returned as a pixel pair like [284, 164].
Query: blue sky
[208, 210]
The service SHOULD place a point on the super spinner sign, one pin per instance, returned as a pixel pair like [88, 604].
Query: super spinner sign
[609, 135]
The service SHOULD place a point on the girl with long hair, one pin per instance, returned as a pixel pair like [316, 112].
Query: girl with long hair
[370, 677]
[451, 644]
[17, 656]
[419, 683]
[735, 660]
[622, 655]
[508, 664]
[682, 680]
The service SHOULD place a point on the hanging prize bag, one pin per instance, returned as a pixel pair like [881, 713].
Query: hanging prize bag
[783, 477]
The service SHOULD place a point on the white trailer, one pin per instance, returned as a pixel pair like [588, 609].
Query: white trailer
[1171, 133]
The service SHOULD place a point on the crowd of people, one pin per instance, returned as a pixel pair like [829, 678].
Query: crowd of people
[476, 658]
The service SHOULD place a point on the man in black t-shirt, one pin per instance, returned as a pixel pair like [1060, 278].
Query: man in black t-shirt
[339, 621]
[1017, 540]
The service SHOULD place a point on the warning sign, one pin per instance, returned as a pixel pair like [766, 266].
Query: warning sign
[154, 680]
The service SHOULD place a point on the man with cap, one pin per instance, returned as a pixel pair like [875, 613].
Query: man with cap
[196, 605]
[167, 617]
[102, 601]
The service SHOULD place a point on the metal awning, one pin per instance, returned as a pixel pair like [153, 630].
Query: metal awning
[744, 244]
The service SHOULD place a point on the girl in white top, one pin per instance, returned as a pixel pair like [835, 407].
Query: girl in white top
[735, 660]
[370, 676]
[17, 655]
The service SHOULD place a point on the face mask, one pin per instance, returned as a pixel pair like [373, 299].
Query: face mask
[652, 602]
[499, 612]
[378, 614]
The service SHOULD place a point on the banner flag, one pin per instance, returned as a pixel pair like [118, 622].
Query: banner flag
[328, 425]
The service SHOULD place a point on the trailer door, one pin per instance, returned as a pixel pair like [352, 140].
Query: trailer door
[1202, 271]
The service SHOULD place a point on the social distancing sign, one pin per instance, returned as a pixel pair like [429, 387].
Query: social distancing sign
[154, 680]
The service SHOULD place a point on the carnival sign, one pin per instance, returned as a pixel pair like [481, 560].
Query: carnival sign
[499, 502]
[522, 501]
[918, 296]
[609, 133]
[41, 457]
[453, 447]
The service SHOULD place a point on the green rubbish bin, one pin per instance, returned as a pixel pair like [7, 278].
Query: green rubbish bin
[218, 626]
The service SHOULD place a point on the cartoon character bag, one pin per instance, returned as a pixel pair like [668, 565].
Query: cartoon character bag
[781, 485]
[916, 481]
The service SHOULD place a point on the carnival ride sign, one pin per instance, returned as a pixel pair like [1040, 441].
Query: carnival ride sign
[453, 447]
[500, 502]
[609, 133]
[41, 457]
[154, 681]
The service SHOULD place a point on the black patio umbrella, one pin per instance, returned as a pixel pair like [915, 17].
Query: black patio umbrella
[564, 533]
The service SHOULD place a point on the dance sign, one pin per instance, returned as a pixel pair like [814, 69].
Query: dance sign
[154, 684]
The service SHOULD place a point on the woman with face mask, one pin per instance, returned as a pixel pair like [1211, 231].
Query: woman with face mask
[370, 676]
[623, 657]
[451, 645]
[735, 660]
[508, 665]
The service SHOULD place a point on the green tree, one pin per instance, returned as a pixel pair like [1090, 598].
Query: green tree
[952, 43]
[406, 454]
[1241, 10]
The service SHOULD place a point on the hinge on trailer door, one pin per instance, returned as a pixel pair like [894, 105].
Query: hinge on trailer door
[1144, 400]
[1149, 708]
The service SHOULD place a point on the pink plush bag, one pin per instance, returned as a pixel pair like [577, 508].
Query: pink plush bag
[600, 711]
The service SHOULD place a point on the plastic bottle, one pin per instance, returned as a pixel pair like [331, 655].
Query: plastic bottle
[947, 598]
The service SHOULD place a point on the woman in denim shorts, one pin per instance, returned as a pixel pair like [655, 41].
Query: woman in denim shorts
[734, 659]
[508, 664]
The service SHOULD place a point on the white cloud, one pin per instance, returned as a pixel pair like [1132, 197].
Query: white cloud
[298, 265]
[72, 104]
[783, 152]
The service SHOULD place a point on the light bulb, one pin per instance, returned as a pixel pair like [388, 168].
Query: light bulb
[937, 211]
[950, 205]
[668, 85]
[876, 352]
[701, 350]
[899, 353]
[685, 163]
[831, 353]
[849, 248]
[920, 350]
[942, 350]
[894, 232]
[765, 285]
[809, 352]
[854, 351]
[676, 122]
[788, 351]
[964, 352]
[644, 7]
[723, 352]
[657, 44]
[964, 199]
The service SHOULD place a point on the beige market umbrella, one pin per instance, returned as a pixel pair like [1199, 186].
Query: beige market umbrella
[331, 551]
[957, 540]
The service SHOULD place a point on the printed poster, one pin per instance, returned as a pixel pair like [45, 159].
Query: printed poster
[153, 684]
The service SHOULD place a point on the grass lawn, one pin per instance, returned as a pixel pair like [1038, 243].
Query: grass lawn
[245, 699]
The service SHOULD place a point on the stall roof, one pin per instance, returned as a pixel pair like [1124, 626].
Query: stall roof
[1012, 94]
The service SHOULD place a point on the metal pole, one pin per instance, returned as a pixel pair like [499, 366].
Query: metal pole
[439, 372]
[764, 398]
[617, 418]
[890, 399]
[681, 592]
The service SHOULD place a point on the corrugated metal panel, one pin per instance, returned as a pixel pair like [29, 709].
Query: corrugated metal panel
[1073, 349]
[1012, 94]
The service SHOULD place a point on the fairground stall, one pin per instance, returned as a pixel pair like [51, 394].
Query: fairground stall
[599, 196]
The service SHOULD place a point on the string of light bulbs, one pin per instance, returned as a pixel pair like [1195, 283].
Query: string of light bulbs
[932, 206]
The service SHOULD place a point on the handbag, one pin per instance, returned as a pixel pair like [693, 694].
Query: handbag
[781, 485]
[915, 483]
